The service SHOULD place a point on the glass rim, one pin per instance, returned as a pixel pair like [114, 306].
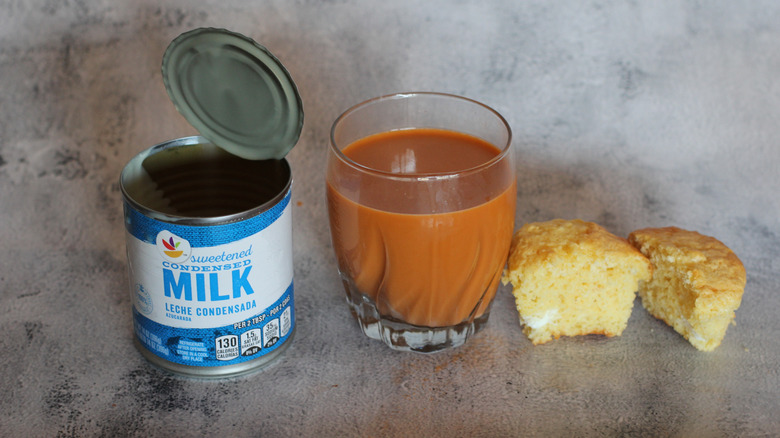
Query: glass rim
[504, 150]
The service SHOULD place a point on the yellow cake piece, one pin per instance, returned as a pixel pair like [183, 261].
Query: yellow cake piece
[572, 277]
[697, 283]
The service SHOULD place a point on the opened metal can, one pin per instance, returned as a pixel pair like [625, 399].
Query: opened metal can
[209, 247]
[208, 219]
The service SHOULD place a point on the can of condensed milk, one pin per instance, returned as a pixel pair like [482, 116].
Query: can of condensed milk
[208, 219]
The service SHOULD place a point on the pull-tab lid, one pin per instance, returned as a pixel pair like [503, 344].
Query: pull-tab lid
[234, 92]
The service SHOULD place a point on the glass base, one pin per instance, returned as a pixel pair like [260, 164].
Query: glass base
[403, 336]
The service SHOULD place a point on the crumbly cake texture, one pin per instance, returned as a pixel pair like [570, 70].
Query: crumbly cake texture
[571, 277]
[697, 283]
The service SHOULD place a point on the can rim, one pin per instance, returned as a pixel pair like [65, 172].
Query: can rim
[190, 220]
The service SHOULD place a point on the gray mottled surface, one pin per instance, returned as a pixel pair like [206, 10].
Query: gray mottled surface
[630, 114]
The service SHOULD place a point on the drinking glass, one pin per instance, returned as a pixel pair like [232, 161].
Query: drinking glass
[421, 252]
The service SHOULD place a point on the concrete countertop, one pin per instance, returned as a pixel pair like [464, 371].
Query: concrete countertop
[627, 114]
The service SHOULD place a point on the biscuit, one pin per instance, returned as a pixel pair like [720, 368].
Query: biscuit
[572, 277]
[697, 283]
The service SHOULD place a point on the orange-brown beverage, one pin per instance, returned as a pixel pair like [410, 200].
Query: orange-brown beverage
[421, 222]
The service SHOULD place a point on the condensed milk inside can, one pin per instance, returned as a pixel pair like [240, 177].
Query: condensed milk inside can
[208, 218]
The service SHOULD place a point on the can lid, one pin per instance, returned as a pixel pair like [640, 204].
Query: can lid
[234, 91]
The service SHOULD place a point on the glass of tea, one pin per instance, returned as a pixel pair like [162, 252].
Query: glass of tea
[421, 192]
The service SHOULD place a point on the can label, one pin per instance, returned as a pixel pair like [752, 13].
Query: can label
[212, 295]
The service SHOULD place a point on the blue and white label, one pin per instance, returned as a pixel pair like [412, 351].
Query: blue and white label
[212, 295]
